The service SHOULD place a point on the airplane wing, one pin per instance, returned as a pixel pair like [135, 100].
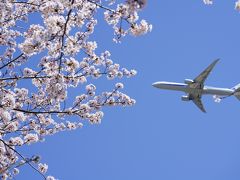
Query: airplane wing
[199, 84]
[198, 102]
[203, 76]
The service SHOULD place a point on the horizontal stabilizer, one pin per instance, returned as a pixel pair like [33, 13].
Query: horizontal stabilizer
[237, 95]
[237, 91]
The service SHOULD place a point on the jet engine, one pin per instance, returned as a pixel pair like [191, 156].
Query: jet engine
[188, 81]
[186, 98]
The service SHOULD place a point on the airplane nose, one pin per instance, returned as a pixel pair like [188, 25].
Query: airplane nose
[154, 84]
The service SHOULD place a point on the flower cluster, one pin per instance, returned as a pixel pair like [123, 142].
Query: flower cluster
[237, 3]
[208, 2]
[68, 60]
[128, 13]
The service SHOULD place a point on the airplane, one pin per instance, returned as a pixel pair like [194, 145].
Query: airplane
[195, 88]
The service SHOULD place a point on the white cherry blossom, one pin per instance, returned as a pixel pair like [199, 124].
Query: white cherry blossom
[43, 168]
[237, 5]
[208, 2]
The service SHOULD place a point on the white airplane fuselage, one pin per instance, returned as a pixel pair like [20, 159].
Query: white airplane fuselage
[185, 88]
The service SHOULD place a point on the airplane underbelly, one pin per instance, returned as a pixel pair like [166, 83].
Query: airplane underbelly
[194, 91]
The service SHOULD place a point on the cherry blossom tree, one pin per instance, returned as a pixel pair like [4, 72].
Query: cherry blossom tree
[68, 59]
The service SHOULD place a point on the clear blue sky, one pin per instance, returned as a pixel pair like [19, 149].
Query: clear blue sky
[160, 137]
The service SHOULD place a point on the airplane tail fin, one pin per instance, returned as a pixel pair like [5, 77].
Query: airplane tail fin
[237, 91]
